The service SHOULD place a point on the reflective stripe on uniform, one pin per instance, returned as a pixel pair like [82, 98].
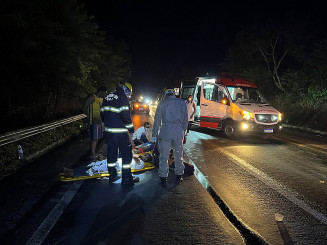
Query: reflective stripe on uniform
[124, 108]
[114, 109]
[129, 125]
[125, 166]
[116, 130]
[111, 165]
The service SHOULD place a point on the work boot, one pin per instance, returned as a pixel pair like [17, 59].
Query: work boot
[163, 182]
[179, 179]
[113, 177]
[130, 181]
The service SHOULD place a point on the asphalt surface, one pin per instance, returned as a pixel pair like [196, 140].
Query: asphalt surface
[260, 179]
[239, 191]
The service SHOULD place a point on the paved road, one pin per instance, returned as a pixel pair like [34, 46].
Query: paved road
[259, 178]
[249, 183]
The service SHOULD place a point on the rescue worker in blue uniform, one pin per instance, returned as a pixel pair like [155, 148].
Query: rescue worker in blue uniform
[118, 128]
[172, 119]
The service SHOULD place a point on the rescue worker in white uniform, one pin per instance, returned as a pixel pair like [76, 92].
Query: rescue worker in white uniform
[172, 119]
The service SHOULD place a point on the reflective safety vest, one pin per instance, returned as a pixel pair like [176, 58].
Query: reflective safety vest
[116, 113]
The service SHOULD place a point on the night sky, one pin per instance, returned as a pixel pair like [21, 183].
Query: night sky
[171, 39]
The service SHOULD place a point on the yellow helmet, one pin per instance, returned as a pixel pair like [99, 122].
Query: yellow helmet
[127, 87]
[169, 91]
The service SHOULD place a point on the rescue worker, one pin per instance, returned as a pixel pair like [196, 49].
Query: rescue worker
[172, 115]
[118, 129]
[140, 135]
[92, 108]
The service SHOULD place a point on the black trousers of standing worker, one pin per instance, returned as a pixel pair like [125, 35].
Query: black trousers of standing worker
[119, 142]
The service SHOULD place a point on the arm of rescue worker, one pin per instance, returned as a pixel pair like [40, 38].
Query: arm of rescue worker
[125, 116]
[157, 121]
[185, 117]
[130, 139]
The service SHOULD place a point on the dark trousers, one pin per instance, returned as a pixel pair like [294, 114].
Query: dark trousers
[143, 139]
[188, 127]
[119, 142]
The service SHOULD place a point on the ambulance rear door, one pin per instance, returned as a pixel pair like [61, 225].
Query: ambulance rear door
[211, 110]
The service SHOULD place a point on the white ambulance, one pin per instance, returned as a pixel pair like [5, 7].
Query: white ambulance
[231, 104]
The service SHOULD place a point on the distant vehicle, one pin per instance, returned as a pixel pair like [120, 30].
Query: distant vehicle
[138, 106]
[231, 104]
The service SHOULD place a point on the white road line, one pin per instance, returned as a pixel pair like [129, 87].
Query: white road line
[41, 233]
[275, 185]
[307, 146]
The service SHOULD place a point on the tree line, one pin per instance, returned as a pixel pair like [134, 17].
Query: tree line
[53, 56]
[287, 59]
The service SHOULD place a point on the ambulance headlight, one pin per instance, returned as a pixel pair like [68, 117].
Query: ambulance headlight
[247, 115]
[245, 126]
[274, 118]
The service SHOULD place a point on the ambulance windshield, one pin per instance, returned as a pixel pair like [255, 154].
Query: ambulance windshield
[246, 95]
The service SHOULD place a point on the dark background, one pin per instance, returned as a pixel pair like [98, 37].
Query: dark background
[170, 40]
[54, 56]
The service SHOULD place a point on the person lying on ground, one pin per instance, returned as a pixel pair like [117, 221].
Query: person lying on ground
[141, 149]
[144, 148]
[101, 167]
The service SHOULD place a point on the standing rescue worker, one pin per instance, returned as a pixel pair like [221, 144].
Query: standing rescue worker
[118, 129]
[172, 115]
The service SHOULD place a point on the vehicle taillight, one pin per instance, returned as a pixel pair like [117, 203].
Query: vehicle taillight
[136, 105]
[145, 106]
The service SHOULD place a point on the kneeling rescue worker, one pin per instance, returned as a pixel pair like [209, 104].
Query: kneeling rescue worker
[118, 129]
[172, 118]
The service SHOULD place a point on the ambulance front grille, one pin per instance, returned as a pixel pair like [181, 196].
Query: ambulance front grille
[266, 118]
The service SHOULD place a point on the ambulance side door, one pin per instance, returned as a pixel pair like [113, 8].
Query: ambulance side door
[211, 110]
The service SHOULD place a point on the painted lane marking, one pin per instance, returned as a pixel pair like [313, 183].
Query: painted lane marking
[44, 229]
[310, 147]
[275, 186]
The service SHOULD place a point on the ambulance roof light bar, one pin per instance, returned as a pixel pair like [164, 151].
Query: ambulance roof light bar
[207, 80]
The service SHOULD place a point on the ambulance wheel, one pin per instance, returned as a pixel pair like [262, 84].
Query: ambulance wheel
[229, 130]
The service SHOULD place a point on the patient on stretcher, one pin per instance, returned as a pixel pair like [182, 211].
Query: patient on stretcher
[100, 167]
[144, 148]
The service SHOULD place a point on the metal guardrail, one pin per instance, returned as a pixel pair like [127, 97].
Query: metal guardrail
[17, 135]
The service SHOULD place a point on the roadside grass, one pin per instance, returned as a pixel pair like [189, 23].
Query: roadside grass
[302, 111]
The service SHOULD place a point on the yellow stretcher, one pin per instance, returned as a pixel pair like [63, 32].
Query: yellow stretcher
[147, 166]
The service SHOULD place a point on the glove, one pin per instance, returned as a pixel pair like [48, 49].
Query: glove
[153, 140]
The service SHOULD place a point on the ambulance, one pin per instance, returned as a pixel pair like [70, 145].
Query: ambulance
[231, 104]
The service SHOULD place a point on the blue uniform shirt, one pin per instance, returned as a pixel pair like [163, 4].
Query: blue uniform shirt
[116, 113]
